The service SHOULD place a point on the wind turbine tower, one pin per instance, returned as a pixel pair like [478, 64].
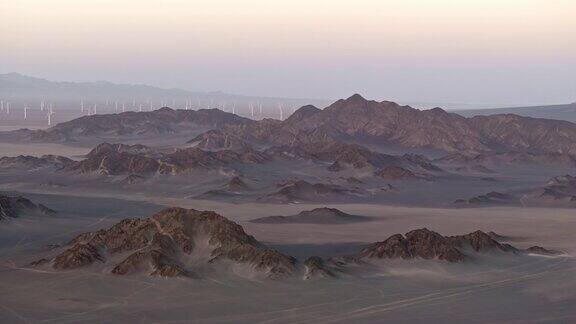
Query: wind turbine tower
[281, 111]
[50, 116]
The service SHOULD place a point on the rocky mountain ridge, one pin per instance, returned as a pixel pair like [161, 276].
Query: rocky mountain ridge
[353, 119]
[178, 242]
[17, 206]
[169, 244]
[389, 124]
[322, 215]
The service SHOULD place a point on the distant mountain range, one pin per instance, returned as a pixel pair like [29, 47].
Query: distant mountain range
[19, 88]
[388, 124]
[560, 112]
[384, 124]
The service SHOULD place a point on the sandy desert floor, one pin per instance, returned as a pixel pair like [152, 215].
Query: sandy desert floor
[519, 290]
[528, 289]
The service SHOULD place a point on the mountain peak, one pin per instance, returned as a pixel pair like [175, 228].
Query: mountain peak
[356, 97]
[303, 113]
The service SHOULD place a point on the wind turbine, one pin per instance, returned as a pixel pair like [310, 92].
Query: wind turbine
[50, 114]
[281, 111]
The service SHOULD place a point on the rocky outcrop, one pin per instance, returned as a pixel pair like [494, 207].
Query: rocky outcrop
[161, 121]
[427, 244]
[78, 255]
[557, 192]
[491, 198]
[559, 188]
[17, 206]
[343, 155]
[315, 267]
[29, 163]
[234, 186]
[480, 242]
[117, 159]
[300, 190]
[395, 173]
[512, 158]
[421, 243]
[315, 216]
[104, 148]
[542, 251]
[159, 244]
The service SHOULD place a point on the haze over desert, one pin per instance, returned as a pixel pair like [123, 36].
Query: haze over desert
[287, 162]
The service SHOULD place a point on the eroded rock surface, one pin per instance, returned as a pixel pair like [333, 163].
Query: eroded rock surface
[163, 244]
[426, 244]
[16, 206]
[315, 216]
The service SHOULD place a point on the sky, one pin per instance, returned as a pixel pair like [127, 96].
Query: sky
[495, 52]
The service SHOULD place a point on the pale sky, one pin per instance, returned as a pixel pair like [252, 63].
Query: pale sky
[459, 51]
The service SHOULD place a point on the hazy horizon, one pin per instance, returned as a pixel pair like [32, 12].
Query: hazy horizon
[507, 52]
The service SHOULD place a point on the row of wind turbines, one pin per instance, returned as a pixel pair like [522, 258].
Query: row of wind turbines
[254, 109]
[48, 108]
